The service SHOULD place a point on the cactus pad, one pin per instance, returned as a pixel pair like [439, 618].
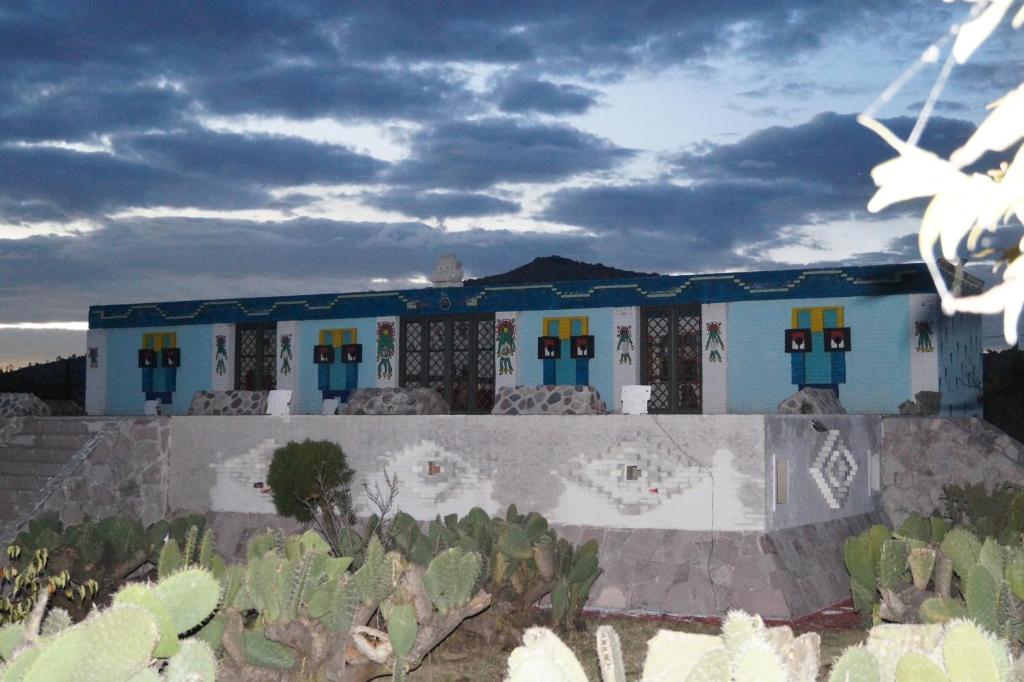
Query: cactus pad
[402, 630]
[892, 564]
[922, 563]
[145, 597]
[857, 664]
[939, 610]
[674, 656]
[963, 550]
[195, 662]
[967, 655]
[757, 661]
[190, 596]
[451, 577]
[916, 667]
[111, 645]
[982, 596]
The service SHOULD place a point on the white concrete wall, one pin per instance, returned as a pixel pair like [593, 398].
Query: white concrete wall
[924, 366]
[288, 374]
[225, 381]
[625, 359]
[715, 375]
[385, 381]
[508, 380]
[696, 472]
[828, 458]
[96, 377]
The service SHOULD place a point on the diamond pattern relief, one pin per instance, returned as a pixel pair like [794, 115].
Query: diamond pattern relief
[834, 469]
[659, 473]
[430, 472]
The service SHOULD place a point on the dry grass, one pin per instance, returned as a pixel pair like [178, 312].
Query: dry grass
[463, 658]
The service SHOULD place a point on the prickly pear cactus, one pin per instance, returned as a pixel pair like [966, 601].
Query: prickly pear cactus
[543, 656]
[857, 664]
[963, 548]
[922, 562]
[126, 642]
[451, 579]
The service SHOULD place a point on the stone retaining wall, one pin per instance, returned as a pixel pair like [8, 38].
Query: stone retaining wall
[920, 455]
[780, 574]
[126, 474]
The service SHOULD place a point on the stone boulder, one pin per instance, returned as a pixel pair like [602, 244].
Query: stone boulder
[549, 399]
[925, 403]
[396, 401]
[812, 401]
[22, 405]
[216, 403]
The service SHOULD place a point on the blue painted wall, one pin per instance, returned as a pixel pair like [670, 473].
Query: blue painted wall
[124, 380]
[877, 369]
[531, 370]
[960, 372]
[310, 400]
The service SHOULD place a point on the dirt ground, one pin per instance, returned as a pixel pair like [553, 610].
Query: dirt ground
[462, 658]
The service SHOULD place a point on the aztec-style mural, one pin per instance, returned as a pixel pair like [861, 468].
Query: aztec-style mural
[221, 355]
[385, 349]
[714, 345]
[286, 354]
[505, 338]
[624, 343]
[636, 474]
[923, 332]
[834, 469]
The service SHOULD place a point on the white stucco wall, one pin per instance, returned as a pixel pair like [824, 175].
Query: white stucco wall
[696, 472]
[572, 469]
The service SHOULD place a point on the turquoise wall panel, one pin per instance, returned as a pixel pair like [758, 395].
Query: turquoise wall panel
[310, 400]
[531, 370]
[124, 378]
[960, 371]
[877, 369]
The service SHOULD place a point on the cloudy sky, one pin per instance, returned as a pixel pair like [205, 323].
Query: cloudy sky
[158, 150]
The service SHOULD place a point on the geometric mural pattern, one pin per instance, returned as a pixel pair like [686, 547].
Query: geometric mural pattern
[834, 469]
[636, 475]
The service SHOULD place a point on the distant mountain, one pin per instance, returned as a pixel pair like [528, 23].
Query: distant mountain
[556, 269]
[61, 379]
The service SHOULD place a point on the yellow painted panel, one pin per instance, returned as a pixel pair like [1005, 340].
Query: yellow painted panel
[160, 340]
[338, 336]
[565, 326]
[817, 317]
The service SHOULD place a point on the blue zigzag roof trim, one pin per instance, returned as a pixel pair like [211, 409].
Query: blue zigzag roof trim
[872, 280]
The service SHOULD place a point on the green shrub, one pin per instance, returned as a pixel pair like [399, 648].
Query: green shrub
[996, 513]
[306, 477]
[101, 554]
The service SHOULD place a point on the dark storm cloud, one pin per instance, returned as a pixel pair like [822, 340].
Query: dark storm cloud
[81, 184]
[478, 154]
[584, 36]
[831, 150]
[175, 259]
[746, 192]
[264, 160]
[338, 90]
[193, 168]
[523, 95]
[387, 59]
[83, 110]
[426, 205]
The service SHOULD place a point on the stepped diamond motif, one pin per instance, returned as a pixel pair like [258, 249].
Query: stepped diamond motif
[657, 473]
[834, 469]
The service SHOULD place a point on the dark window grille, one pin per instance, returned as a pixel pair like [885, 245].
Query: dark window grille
[256, 357]
[452, 355]
[671, 358]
